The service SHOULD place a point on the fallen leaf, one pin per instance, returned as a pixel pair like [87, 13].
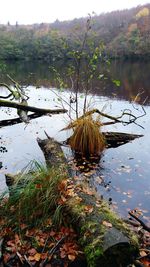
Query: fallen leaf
[142, 253]
[145, 261]
[31, 258]
[88, 208]
[107, 224]
[71, 257]
[88, 191]
[37, 256]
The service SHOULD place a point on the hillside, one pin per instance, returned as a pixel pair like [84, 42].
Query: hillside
[124, 34]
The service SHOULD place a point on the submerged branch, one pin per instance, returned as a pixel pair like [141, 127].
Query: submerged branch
[6, 86]
[5, 97]
[145, 227]
[10, 122]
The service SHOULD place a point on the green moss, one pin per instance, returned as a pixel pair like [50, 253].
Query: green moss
[118, 223]
[92, 246]
[93, 253]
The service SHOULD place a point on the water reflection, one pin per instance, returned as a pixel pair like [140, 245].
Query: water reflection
[134, 78]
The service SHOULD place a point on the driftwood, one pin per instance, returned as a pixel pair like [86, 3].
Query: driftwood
[105, 238]
[5, 103]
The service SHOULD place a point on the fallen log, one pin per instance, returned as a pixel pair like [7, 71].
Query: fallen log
[5, 103]
[115, 139]
[105, 238]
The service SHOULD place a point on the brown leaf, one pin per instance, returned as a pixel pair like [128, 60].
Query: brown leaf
[71, 257]
[88, 191]
[142, 253]
[17, 240]
[62, 185]
[145, 261]
[62, 200]
[107, 224]
[30, 233]
[37, 256]
[88, 208]
[31, 258]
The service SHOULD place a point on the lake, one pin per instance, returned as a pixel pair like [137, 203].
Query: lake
[122, 175]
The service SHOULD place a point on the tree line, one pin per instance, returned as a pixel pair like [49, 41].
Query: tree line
[124, 34]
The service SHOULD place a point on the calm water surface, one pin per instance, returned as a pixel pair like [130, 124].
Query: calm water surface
[123, 173]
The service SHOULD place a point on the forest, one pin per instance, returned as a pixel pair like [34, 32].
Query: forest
[124, 34]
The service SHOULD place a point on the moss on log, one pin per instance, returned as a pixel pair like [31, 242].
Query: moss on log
[105, 238]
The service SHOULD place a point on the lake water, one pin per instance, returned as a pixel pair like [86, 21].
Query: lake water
[122, 176]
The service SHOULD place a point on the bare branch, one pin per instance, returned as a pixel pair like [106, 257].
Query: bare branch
[114, 120]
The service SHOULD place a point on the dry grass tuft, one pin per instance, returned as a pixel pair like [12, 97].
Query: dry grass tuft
[87, 138]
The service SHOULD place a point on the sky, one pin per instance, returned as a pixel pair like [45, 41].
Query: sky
[38, 11]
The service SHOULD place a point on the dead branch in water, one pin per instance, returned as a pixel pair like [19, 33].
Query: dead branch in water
[10, 122]
[5, 103]
[114, 120]
[145, 227]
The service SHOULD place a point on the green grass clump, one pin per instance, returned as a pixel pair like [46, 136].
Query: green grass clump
[33, 197]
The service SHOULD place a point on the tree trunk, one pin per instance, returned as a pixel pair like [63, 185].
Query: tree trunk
[105, 238]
